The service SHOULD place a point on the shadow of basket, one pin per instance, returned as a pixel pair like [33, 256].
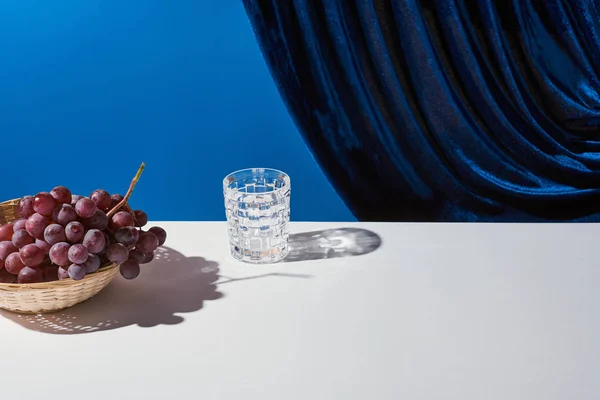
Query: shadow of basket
[171, 284]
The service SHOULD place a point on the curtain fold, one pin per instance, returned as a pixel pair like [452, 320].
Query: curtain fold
[444, 110]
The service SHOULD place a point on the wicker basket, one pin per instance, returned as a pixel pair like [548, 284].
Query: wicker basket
[38, 298]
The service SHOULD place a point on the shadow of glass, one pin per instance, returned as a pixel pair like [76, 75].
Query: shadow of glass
[332, 243]
[273, 274]
[170, 284]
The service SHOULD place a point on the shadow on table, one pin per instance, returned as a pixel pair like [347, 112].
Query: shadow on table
[331, 243]
[173, 284]
[170, 284]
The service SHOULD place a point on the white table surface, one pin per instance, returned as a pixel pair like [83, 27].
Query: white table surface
[438, 311]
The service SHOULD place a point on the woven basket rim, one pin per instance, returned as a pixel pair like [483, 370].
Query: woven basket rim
[52, 284]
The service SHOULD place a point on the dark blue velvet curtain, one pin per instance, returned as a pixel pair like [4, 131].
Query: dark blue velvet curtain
[444, 110]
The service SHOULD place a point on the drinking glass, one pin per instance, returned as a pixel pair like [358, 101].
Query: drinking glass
[257, 205]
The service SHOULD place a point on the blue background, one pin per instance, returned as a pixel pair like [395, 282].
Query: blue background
[92, 88]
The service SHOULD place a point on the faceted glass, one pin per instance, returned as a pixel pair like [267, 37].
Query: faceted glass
[257, 205]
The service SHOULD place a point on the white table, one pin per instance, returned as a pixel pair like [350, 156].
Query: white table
[439, 311]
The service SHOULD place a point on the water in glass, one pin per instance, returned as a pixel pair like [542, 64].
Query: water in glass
[257, 204]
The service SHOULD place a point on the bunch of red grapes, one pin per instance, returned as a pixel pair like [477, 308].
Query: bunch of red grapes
[60, 236]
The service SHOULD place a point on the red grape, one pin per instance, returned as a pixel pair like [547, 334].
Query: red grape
[97, 221]
[115, 199]
[108, 241]
[13, 263]
[63, 214]
[160, 234]
[127, 235]
[101, 198]
[59, 253]
[44, 203]
[6, 232]
[117, 253]
[94, 241]
[45, 246]
[30, 275]
[147, 258]
[121, 219]
[141, 218]
[7, 248]
[36, 224]
[62, 274]
[136, 255]
[130, 269]
[54, 233]
[92, 264]
[75, 198]
[78, 254]
[61, 195]
[50, 273]
[22, 238]
[141, 258]
[25, 208]
[7, 277]
[76, 272]
[147, 243]
[31, 255]
[85, 208]
[74, 231]
[19, 224]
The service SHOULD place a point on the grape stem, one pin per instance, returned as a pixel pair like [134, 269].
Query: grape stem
[123, 202]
